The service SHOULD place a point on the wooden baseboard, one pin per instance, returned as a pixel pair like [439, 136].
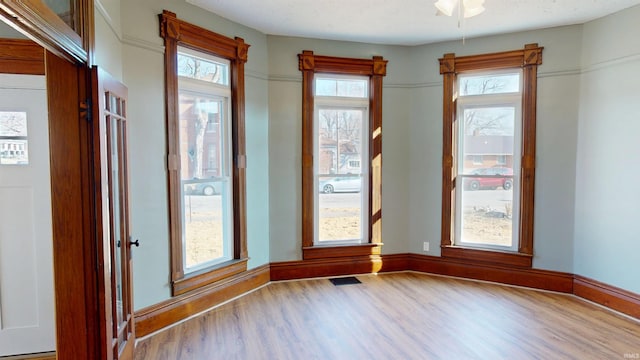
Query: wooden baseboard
[171, 311]
[511, 275]
[609, 296]
[289, 270]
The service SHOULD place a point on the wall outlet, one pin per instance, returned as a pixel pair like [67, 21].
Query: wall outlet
[425, 246]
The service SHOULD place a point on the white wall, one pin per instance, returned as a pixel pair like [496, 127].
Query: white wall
[108, 33]
[607, 246]
[8, 32]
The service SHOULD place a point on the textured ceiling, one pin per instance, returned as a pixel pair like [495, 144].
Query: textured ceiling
[403, 22]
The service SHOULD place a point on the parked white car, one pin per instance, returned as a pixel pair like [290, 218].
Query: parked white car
[340, 184]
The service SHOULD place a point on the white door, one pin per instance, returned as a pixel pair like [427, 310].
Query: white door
[27, 321]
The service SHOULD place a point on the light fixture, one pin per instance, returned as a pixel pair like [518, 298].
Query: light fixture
[469, 8]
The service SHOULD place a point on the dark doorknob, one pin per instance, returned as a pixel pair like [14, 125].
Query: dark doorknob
[136, 243]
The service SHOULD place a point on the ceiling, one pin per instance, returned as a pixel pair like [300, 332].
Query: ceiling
[403, 22]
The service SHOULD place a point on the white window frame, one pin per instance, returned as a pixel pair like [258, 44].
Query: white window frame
[214, 91]
[346, 103]
[508, 99]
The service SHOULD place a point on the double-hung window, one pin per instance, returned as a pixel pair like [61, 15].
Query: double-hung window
[341, 156]
[204, 80]
[488, 124]
[341, 129]
[488, 168]
[207, 211]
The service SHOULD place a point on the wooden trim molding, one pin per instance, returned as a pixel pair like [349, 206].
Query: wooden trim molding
[609, 296]
[302, 269]
[511, 275]
[479, 256]
[528, 60]
[36, 20]
[18, 56]
[73, 216]
[532, 278]
[156, 317]
[208, 276]
[176, 32]
[375, 68]
[289, 270]
[322, 252]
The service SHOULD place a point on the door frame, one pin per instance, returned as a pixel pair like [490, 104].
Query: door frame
[73, 191]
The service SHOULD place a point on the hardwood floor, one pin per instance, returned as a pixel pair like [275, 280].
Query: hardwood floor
[399, 316]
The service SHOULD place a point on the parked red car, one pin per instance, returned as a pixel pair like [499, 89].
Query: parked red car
[489, 178]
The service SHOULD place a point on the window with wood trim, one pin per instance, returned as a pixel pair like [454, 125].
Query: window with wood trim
[489, 143]
[341, 155]
[204, 79]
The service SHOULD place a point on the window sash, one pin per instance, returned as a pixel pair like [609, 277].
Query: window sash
[488, 101]
[343, 80]
[363, 175]
[223, 182]
[222, 64]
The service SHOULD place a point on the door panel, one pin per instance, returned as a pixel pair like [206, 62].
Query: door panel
[27, 322]
[111, 115]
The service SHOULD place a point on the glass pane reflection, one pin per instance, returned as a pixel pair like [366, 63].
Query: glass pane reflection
[65, 10]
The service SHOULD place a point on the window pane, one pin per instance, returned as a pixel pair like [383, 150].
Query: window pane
[488, 138]
[356, 88]
[203, 69]
[14, 145]
[340, 209]
[488, 84]
[340, 140]
[64, 9]
[486, 176]
[487, 214]
[206, 183]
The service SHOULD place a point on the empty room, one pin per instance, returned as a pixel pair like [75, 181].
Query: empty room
[248, 179]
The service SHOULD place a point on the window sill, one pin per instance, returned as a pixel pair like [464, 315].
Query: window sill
[487, 256]
[337, 251]
[208, 276]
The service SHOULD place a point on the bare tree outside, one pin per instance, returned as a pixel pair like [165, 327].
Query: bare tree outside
[195, 68]
[483, 121]
[340, 146]
[202, 118]
[340, 134]
[487, 134]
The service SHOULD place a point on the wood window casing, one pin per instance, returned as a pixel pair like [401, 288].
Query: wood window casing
[375, 69]
[528, 60]
[176, 33]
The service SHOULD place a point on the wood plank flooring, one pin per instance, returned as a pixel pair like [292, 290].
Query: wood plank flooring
[399, 316]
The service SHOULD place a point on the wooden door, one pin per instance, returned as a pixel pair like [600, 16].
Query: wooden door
[110, 132]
